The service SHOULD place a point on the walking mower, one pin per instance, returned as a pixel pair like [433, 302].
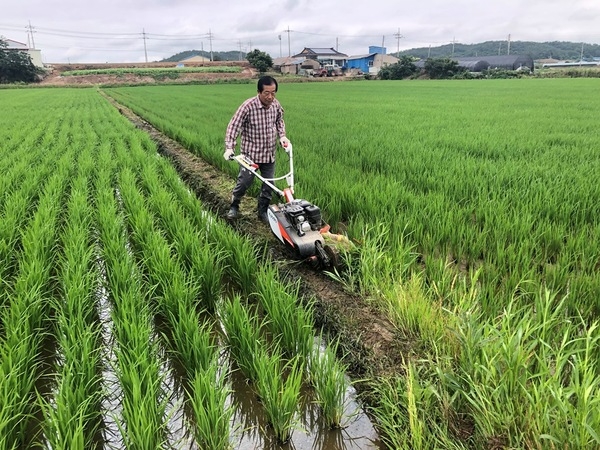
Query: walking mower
[296, 223]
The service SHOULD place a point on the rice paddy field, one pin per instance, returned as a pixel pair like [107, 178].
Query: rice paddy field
[127, 312]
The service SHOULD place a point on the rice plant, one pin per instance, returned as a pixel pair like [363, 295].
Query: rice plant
[278, 386]
[329, 380]
[290, 323]
[242, 334]
[209, 395]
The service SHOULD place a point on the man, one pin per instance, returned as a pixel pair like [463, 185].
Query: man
[259, 122]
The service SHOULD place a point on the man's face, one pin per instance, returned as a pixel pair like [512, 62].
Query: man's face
[267, 95]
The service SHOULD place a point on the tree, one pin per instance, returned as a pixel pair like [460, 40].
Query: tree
[397, 71]
[16, 66]
[439, 68]
[260, 60]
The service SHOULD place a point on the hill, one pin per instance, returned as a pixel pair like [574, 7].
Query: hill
[216, 56]
[537, 50]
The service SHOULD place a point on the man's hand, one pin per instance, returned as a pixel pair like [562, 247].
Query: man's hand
[285, 143]
[229, 153]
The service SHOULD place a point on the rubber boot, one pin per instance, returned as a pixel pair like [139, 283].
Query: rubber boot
[234, 210]
[263, 205]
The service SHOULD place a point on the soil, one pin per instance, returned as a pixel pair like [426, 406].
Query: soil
[55, 76]
[368, 338]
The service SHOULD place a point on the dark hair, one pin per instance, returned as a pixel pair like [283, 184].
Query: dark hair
[266, 81]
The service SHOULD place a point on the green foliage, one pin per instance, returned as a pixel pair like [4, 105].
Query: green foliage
[402, 69]
[261, 60]
[442, 68]
[16, 66]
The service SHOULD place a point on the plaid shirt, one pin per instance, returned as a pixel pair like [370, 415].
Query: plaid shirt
[259, 128]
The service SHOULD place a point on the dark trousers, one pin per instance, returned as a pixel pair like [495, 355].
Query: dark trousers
[246, 177]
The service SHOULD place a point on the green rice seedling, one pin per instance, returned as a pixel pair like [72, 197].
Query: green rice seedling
[18, 371]
[193, 344]
[208, 394]
[290, 323]
[328, 378]
[242, 334]
[241, 262]
[278, 386]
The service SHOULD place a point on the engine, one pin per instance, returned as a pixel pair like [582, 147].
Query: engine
[303, 216]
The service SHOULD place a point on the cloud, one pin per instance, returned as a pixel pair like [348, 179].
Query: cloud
[128, 30]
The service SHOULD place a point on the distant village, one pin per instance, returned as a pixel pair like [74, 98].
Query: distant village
[327, 61]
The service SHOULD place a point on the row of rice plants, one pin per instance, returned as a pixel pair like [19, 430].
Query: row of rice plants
[73, 413]
[494, 189]
[143, 404]
[175, 293]
[20, 189]
[25, 316]
[278, 390]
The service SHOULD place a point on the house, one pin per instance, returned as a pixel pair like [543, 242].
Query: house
[371, 62]
[323, 56]
[195, 59]
[295, 66]
[34, 54]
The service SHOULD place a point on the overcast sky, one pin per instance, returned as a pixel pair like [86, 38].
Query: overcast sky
[139, 30]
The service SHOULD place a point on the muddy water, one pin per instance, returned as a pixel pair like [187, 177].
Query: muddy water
[253, 431]
[250, 429]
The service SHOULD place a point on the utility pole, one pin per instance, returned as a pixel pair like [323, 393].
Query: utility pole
[581, 56]
[289, 46]
[429, 52]
[453, 41]
[279, 45]
[508, 49]
[144, 37]
[30, 33]
[382, 42]
[398, 36]
[210, 42]
[240, 44]
[337, 43]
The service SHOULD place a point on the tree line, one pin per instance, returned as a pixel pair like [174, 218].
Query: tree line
[571, 51]
[16, 66]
